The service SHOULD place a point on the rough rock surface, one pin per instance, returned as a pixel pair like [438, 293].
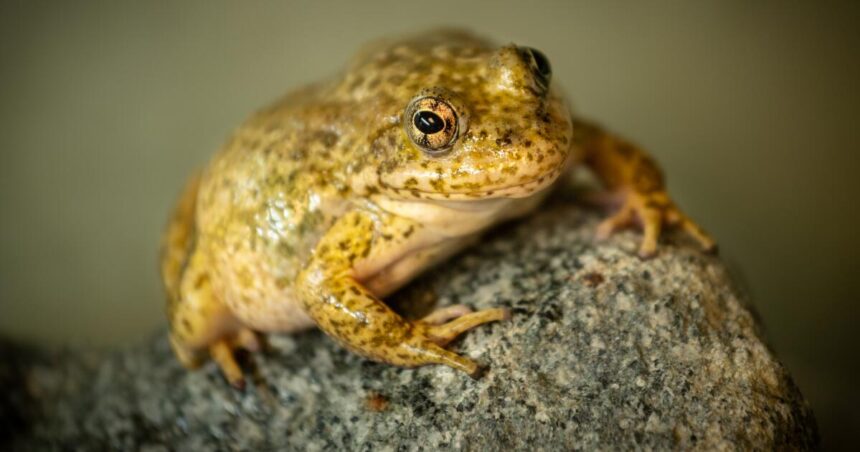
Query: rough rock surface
[603, 350]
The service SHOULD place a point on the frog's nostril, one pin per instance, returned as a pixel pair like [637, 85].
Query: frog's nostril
[539, 65]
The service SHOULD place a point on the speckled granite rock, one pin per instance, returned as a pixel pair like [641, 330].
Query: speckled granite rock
[603, 350]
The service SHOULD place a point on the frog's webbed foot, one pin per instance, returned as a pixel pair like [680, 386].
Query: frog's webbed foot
[223, 352]
[652, 211]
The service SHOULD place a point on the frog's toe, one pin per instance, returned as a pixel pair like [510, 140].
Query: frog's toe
[618, 220]
[249, 340]
[424, 343]
[674, 217]
[431, 353]
[694, 230]
[222, 353]
[652, 223]
[447, 332]
[446, 313]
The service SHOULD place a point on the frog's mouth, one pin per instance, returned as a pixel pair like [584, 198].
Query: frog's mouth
[421, 185]
[520, 190]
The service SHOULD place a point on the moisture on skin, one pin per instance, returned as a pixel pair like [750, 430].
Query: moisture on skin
[334, 196]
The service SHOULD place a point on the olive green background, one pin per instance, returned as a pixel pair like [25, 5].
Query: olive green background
[752, 109]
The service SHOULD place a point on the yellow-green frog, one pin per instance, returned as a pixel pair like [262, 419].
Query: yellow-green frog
[328, 200]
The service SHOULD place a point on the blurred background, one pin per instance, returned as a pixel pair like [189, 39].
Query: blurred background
[752, 109]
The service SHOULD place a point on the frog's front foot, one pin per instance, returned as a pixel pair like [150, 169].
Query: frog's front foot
[651, 211]
[438, 329]
[370, 328]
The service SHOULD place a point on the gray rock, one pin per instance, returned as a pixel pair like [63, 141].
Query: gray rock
[604, 350]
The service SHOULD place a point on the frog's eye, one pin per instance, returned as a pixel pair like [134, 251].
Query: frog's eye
[539, 65]
[432, 124]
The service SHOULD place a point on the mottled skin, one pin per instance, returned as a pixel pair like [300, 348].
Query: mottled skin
[329, 199]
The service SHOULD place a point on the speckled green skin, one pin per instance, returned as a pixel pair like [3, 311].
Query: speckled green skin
[322, 203]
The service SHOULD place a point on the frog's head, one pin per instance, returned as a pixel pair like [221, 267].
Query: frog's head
[457, 119]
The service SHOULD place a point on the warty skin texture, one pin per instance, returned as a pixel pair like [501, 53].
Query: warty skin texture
[332, 197]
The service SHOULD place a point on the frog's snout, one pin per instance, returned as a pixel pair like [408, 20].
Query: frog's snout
[539, 66]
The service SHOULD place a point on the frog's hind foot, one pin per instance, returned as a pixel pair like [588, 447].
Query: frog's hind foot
[223, 352]
[223, 355]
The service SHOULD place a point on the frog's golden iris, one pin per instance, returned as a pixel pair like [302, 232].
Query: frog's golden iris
[432, 124]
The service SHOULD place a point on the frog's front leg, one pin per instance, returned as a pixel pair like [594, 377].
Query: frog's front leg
[346, 310]
[636, 181]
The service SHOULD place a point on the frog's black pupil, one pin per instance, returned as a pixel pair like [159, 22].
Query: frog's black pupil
[428, 122]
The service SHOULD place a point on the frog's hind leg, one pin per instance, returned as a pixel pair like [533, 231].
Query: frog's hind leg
[203, 323]
[200, 323]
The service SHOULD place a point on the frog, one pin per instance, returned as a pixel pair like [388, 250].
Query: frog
[327, 201]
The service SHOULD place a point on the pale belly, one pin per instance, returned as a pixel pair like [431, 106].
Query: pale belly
[268, 306]
[259, 292]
